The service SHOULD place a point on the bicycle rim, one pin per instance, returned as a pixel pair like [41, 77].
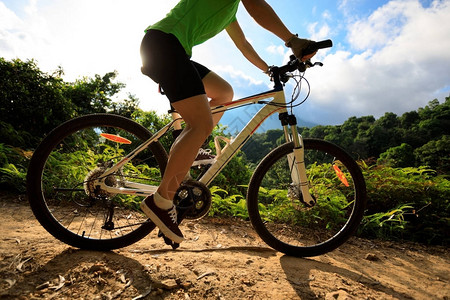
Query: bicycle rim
[286, 223]
[61, 176]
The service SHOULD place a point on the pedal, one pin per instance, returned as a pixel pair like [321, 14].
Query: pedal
[168, 241]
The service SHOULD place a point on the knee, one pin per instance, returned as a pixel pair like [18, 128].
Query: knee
[218, 90]
[228, 92]
[208, 125]
[226, 95]
[203, 125]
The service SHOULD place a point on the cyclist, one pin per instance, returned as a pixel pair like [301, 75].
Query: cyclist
[166, 50]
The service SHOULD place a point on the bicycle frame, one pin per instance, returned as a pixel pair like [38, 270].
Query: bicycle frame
[277, 103]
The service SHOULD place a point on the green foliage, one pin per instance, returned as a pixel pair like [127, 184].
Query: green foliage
[416, 194]
[403, 203]
[400, 156]
[13, 177]
[154, 122]
[329, 211]
[408, 189]
[225, 205]
[13, 168]
[32, 102]
[235, 176]
[387, 224]
[391, 137]
[10, 136]
[435, 154]
[260, 144]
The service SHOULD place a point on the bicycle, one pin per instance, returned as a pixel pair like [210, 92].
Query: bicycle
[87, 177]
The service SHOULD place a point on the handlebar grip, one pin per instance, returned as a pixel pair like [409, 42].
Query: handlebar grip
[314, 46]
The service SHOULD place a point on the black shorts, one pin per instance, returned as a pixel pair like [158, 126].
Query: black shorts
[165, 61]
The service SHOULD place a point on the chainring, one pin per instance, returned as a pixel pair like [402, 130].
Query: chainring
[194, 198]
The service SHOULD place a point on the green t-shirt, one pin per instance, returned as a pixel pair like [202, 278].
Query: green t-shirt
[195, 21]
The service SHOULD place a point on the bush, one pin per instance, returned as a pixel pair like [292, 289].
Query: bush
[13, 168]
[226, 205]
[407, 203]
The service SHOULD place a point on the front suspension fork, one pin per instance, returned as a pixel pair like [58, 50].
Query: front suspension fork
[296, 159]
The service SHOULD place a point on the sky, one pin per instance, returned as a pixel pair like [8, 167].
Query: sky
[388, 55]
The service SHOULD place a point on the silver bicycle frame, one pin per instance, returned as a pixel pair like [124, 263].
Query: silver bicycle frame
[277, 103]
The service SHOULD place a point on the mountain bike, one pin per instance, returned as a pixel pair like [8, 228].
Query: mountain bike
[88, 176]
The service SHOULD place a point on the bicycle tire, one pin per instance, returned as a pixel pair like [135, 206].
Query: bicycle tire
[290, 226]
[59, 193]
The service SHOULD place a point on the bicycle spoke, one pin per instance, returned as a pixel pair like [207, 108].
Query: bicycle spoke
[81, 211]
[289, 224]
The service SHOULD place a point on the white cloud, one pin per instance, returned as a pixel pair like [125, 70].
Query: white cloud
[396, 59]
[238, 75]
[403, 62]
[84, 37]
[383, 25]
[317, 34]
[280, 50]
[326, 15]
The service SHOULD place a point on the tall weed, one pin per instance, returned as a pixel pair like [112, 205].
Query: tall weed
[13, 168]
[409, 203]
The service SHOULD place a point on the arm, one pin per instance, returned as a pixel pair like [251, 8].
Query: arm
[266, 17]
[237, 35]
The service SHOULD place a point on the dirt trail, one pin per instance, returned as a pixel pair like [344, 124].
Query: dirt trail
[222, 259]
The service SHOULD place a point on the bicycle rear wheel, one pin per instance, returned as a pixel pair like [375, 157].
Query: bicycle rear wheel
[63, 168]
[290, 226]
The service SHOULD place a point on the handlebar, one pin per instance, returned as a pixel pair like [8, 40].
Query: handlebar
[314, 46]
[279, 73]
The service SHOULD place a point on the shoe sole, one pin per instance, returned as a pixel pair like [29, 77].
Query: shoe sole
[155, 219]
[202, 162]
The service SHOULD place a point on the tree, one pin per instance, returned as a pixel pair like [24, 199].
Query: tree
[93, 95]
[30, 100]
[153, 122]
[126, 107]
[409, 119]
[399, 157]
[435, 154]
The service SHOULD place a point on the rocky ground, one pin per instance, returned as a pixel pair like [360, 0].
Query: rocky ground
[222, 259]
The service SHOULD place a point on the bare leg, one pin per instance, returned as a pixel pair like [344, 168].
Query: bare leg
[219, 91]
[196, 113]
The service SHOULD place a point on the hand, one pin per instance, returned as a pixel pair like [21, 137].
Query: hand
[298, 45]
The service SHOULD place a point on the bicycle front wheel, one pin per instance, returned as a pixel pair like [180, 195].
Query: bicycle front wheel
[293, 227]
[62, 172]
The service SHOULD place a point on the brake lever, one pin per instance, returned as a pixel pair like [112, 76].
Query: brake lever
[308, 64]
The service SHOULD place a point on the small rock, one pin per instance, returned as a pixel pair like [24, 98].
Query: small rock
[169, 284]
[186, 285]
[372, 257]
[97, 268]
[338, 295]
